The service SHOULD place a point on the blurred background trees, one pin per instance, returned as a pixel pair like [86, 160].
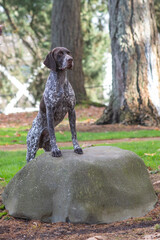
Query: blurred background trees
[66, 32]
[25, 42]
[96, 43]
[27, 38]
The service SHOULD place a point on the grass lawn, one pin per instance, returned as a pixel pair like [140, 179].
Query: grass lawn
[10, 136]
[12, 162]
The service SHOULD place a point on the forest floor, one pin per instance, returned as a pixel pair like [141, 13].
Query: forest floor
[147, 227]
[86, 117]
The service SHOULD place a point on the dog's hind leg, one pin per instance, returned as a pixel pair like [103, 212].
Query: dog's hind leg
[31, 151]
[45, 141]
[32, 145]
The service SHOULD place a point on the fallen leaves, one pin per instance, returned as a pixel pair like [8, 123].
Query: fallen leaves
[97, 238]
[87, 145]
[17, 134]
[5, 136]
[157, 182]
[149, 154]
[87, 121]
[61, 132]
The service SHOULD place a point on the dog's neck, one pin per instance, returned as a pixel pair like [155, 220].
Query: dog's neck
[57, 78]
[62, 77]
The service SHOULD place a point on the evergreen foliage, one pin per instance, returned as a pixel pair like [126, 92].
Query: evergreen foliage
[27, 29]
[157, 13]
[26, 36]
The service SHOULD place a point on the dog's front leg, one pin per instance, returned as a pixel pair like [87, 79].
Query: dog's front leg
[50, 123]
[72, 122]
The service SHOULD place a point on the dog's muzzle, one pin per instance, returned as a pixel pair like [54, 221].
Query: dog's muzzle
[70, 63]
[67, 63]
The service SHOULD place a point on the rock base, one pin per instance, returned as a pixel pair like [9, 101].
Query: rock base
[103, 185]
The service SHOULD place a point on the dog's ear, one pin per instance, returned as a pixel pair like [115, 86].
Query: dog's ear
[50, 61]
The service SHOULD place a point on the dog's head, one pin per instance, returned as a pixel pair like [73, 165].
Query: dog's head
[59, 59]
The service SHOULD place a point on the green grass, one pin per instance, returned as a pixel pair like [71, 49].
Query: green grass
[13, 135]
[12, 162]
[149, 151]
[84, 136]
[10, 136]
[3, 214]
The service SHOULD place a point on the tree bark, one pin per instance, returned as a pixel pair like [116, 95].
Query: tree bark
[135, 64]
[66, 32]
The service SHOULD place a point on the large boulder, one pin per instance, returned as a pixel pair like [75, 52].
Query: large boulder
[103, 185]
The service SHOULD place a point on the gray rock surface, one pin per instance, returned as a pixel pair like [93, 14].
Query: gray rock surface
[103, 185]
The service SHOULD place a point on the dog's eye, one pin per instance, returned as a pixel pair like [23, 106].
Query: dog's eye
[60, 53]
[68, 53]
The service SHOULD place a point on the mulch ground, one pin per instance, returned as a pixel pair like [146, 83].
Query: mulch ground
[86, 118]
[147, 227]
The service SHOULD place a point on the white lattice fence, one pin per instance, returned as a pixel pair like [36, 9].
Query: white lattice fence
[22, 90]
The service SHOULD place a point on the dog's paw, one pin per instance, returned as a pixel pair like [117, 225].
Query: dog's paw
[78, 150]
[56, 153]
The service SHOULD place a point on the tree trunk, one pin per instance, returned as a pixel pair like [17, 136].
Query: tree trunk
[66, 32]
[135, 64]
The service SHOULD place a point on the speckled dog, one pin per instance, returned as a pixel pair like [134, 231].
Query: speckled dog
[58, 99]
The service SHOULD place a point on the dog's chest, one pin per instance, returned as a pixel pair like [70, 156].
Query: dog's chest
[62, 108]
[59, 97]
